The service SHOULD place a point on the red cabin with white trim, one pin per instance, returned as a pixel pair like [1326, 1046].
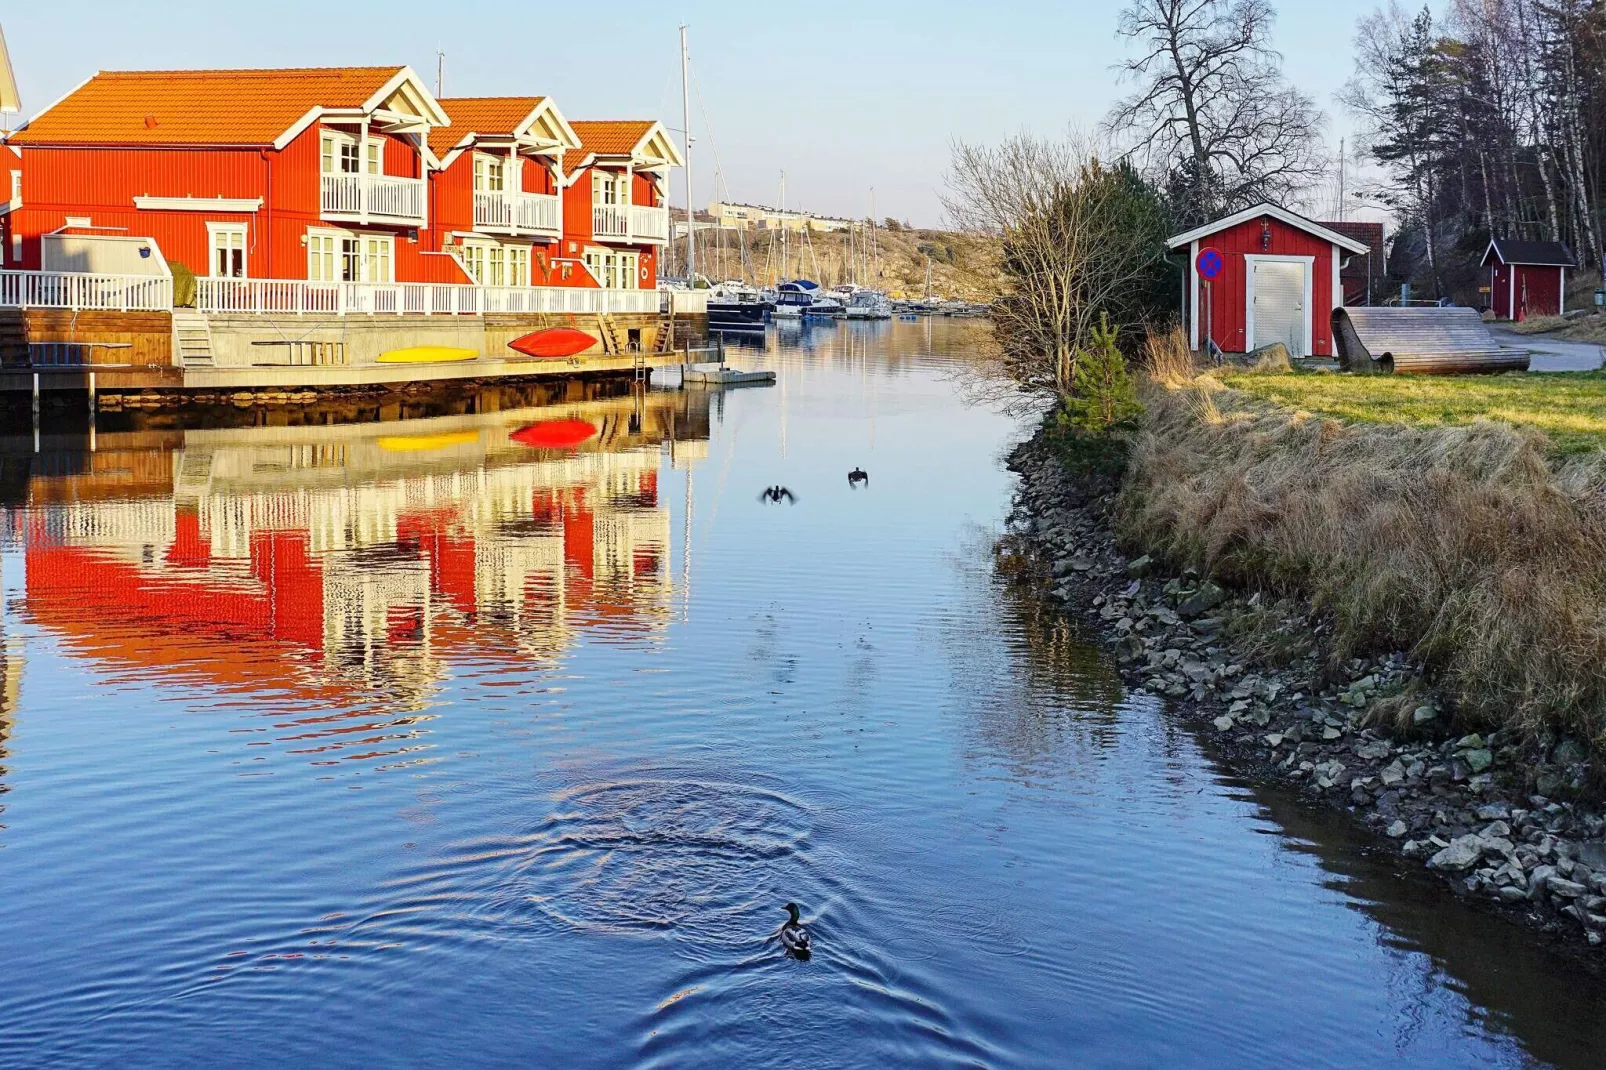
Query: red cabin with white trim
[1527, 278]
[1279, 281]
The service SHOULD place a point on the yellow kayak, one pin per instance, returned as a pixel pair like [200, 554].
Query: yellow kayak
[423, 443]
[426, 355]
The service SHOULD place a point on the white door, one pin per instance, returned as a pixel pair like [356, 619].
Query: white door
[1280, 305]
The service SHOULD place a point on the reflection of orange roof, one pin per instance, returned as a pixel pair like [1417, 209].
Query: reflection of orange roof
[217, 107]
[489, 116]
[606, 138]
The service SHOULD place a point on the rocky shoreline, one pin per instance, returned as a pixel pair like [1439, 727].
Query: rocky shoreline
[1507, 822]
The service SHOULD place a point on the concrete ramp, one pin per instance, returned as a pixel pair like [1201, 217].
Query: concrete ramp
[1420, 341]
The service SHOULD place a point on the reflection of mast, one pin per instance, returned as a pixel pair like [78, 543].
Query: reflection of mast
[685, 550]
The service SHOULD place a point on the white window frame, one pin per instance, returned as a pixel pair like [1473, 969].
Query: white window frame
[518, 265]
[326, 249]
[377, 249]
[474, 256]
[489, 168]
[1250, 260]
[336, 148]
[240, 231]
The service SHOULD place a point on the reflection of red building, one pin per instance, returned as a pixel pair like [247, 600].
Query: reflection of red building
[334, 582]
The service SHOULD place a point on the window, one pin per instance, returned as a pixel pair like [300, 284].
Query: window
[336, 257]
[518, 265]
[322, 250]
[608, 188]
[228, 250]
[489, 173]
[341, 154]
[376, 257]
[614, 271]
[496, 266]
[474, 261]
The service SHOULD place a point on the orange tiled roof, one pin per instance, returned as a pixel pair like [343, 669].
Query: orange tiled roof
[198, 107]
[480, 115]
[606, 138]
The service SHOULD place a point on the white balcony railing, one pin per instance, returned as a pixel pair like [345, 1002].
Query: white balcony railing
[362, 197]
[649, 224]
[610, 220]
[294, 297]
[516, 213]
[80, 290]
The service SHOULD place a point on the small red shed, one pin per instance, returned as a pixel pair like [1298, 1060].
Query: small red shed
[1278, 282]
[1527, 278]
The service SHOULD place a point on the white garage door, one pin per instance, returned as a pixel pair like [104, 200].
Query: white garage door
[1280, 305]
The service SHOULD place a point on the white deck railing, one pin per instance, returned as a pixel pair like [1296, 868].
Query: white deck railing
[79, 290]
[294, 297]
[649, 224]
[610, 220]
[374, 196]
[520, 213]
[630, 222]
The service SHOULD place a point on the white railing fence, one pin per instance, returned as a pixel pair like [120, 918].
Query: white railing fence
[79, 290]
[610, 220]
[649, 223]
[373, 195]
[292, 297]
[520, 212]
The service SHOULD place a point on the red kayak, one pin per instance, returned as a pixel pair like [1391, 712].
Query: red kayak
[554, 343]
[554, 434]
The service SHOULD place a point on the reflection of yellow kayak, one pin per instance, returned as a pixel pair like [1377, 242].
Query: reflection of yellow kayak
[426, 355]
[420, 443]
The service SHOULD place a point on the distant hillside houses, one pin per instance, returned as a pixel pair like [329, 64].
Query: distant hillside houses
[762, 217]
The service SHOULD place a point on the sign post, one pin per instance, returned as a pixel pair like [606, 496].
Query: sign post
[1209, 265]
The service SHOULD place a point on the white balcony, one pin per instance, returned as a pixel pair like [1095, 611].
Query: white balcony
[506, 212]
[364, 198]
[632, 223]
[649, 224]
[610, 221]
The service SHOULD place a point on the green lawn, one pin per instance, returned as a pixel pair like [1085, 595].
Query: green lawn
[1569, 407]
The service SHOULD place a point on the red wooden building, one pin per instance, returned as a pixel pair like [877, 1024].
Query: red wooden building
[497, 193]
[1527, 278]
[615, 201]
[1279, 281]
[338, 175]
[289, 174]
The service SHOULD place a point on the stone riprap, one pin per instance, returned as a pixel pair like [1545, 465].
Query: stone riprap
[1503, 819]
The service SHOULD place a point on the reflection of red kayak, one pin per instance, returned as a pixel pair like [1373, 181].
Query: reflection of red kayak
[553, 343]
[554, 434]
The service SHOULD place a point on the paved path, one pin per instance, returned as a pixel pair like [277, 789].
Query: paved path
[1552, 354]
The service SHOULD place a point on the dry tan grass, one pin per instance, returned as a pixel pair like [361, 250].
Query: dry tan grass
[1462, 545]
[1167, 358]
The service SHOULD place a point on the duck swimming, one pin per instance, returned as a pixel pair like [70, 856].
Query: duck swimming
[857, 476]
[794, 937]
[778, 494]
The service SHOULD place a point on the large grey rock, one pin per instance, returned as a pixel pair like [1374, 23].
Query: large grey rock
[1375, 751]
[1478, 759]
[1462, 854]
[1202, 601]
[1569, 752]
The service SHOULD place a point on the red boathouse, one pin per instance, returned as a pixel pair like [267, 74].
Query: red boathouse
[1279, 281]
[1527, 278]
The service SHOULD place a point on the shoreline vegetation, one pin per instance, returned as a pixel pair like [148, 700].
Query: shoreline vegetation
[1406, 621]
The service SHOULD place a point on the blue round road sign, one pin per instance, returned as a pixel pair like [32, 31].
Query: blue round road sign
[1210, 263]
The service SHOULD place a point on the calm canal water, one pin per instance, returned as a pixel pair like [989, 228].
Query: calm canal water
[439, 739]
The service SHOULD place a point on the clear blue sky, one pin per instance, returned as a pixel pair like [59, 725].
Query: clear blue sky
[843, 96]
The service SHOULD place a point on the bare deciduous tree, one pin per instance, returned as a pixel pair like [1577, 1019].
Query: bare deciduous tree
[1211, 109]
[1076, 241]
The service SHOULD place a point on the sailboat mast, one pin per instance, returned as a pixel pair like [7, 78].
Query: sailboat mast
[685, 126]
[786, 263]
